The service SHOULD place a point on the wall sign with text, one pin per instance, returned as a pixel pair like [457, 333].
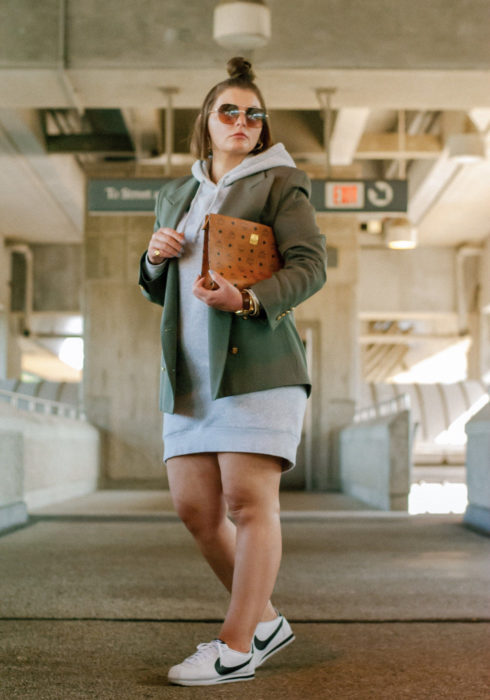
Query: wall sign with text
[124, 196]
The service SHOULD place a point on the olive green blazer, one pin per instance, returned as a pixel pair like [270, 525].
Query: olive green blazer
[251, 354]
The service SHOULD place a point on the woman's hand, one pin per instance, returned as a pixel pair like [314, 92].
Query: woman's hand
[165, 243]
[225, 298]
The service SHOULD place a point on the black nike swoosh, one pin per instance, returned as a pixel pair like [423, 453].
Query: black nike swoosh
[224, 670]
[261, 644]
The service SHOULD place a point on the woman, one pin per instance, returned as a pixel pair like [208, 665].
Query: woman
[234, 378]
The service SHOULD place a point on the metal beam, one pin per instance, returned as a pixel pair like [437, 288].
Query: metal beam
[386, 147]
[113, 144]
[408, 338]
[349, 127]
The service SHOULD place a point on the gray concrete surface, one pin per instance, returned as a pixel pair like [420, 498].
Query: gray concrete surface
[13, 510]
[52, 458]
[98, 604]
[375, 461]
[478, 469]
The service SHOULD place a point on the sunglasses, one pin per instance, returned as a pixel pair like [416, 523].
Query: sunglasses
[228, 114]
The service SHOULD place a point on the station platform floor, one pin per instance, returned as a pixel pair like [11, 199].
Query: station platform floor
[100, 595]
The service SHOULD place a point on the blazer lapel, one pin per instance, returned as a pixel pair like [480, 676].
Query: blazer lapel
[175, 203]
[246, 200]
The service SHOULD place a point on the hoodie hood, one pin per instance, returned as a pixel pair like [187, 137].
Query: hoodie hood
[272, 158]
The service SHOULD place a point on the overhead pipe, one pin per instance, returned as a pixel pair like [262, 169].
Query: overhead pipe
[324, 96]
[169, 127]
[402, 144]
[462, 307]
[24, 250]
[70, 92]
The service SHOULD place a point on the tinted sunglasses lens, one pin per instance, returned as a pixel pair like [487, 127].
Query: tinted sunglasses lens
[255, 117]
[228, 114]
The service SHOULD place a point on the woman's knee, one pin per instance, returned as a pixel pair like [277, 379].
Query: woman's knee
[250, 486]
[200, 519]
[245, 506]
[195, 485]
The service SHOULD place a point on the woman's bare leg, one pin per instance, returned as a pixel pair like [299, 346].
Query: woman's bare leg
[197, 494]
[251, 489]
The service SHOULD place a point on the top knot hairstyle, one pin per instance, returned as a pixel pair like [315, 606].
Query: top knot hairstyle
[240, 69]
[241, 76]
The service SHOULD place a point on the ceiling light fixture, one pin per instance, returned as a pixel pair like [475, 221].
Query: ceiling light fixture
[400, 234]
[243, 24]
[466, 148]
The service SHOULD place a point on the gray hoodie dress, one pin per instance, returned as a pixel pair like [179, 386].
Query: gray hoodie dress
[265, 422]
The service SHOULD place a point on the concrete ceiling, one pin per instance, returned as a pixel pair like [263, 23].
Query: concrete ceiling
[428, 60]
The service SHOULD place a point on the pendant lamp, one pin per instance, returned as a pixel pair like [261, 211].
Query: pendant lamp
[242, 24]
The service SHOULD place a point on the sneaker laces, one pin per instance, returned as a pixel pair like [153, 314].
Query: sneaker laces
[205, 651]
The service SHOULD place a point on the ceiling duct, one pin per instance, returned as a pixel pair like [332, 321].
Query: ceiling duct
[466, 148]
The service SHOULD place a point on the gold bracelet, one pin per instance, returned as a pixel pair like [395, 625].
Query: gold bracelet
[247, 304]
[255, 303]
[250, 304]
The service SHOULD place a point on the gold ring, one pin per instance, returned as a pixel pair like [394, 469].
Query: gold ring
[156, 252]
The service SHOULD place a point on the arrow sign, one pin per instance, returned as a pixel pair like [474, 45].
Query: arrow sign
[380, 194]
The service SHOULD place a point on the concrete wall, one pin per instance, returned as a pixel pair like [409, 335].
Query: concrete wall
[397, 281]
[375, 461]
[122, 350]
[57, 277]
[13, 510]
[43, 459]
[477, 513]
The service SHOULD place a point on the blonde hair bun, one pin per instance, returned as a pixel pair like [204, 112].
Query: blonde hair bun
[240, 69]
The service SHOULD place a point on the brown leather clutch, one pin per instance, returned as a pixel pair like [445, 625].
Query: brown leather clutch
[243, 252]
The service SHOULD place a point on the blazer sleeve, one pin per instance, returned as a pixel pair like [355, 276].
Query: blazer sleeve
[153, 289]
[302, 247]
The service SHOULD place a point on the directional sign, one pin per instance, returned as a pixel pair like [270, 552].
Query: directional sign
[359, 195]
[123, 196]
[137, 195]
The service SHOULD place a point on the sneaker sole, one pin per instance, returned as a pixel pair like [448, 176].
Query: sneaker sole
[277, 648]
[213, 681]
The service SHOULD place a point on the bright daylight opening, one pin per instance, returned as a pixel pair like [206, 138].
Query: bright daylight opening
[437, 498]
[71, 352]
[455, 434]
[447, 366]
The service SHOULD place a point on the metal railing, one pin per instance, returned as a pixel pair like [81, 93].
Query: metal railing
[384, 408]
[36, 404]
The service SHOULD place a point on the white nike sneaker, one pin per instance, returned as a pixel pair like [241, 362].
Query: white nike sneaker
[214, 662]
[270, 637]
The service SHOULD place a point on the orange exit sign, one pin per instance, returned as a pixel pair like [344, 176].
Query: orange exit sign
[345, 194]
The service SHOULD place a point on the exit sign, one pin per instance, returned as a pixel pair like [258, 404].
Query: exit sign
[359, 195]
[344, 195]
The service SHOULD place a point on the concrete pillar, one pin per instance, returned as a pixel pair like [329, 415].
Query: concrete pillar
[9, 350]
[122, 356]
[484, 315]
[335, 307]
[4, 304]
